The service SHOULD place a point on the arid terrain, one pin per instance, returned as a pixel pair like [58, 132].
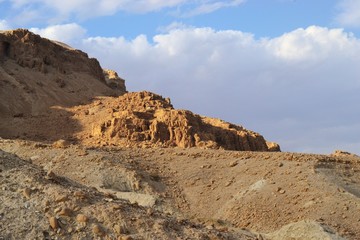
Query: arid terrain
[81, 158]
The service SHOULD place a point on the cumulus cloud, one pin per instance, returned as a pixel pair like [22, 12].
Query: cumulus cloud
[4, 25]
[67, 33]
[349, 13]
[312, 43]
[299, 89]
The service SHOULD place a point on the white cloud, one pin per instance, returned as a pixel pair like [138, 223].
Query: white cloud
[172, 26]
[349, 14]
[211, 6]
[101, 6]
[312, 43]
[4, 25]
[297, 88]
[59, 11]
[67, 33]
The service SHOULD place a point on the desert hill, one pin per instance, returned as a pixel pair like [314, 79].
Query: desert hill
[37, 73]
[41, 80]
[80, 158]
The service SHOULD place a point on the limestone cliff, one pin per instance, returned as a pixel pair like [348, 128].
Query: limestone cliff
[36, 73]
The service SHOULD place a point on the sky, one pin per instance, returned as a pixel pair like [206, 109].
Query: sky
[287, 69]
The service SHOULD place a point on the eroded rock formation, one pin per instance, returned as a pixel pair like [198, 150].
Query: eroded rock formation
[31, 51]
[113, 80]
[144, 117]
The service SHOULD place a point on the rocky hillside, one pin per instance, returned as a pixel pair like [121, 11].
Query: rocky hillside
[58, 191]
[36, 73]
[51, 91]
[82, 159]
[43, 205]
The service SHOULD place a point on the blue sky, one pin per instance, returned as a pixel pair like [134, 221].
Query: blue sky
[287, 69]
[268, 18]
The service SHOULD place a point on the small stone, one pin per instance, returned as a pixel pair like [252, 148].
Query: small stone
[61, 198]
[282, 191]
[77, 208]
[56, 210]
[27, 193]
[34, 158]
[80, 194]
[233, 164]
[81, 218]
[61, 144]
[46, 203]
[66, 212]
[125, 238]
[118, 229]
[149, 212]
[210, 227]
[53, 223]
[97, 230]
[50, 175]
[82, 153]
[116, 207]
[281, 164]
[228, 183]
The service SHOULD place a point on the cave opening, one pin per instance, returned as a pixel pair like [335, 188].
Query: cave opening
[4, 49]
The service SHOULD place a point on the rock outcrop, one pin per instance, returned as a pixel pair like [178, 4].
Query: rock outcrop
[146, 118]
[36, 73]
[304, 230]
[113, 80]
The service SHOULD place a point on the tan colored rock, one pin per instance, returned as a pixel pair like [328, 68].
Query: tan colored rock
[233, 164]
[61, 198]
[81, 218]
[341, 153]
[146, 117]
[61, 144]
[27, 193]
[273, 147]
[97, 230]
[113, 80]
[50, 175]
[304, 230]
[80, 194]
[53, 223]
[125, 238]
[66, 212]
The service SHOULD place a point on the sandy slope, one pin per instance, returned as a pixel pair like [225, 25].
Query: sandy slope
[221, 190]
[40, 205]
